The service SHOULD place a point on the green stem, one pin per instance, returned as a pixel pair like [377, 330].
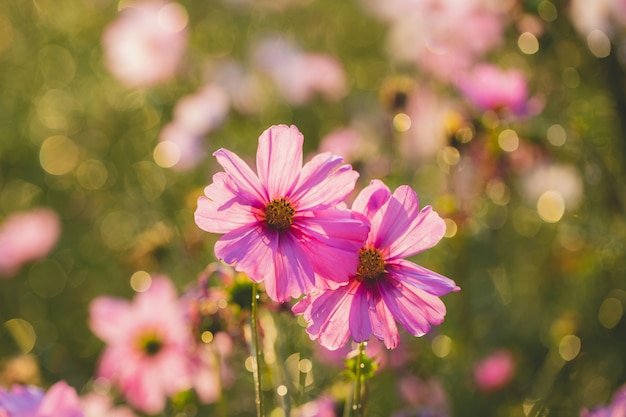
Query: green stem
[356, 409]
[256, 356]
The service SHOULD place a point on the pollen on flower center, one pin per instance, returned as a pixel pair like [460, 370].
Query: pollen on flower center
[150, 344]
[371, 264]
[279, 214]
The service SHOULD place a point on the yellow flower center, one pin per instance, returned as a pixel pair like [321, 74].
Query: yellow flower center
[371, 264]
[279, 214]
[150, 344]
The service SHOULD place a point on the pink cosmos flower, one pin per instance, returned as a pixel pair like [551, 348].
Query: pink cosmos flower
[148, 343]
[442, 37]
[27, 236]
[386, 287]
[495, 371]
[61, 400]
[428, 396]
[101, 405]
[281, 225]
[145, 44]
[617, 408]
[195, 116]
[491, 88]
[299, 75]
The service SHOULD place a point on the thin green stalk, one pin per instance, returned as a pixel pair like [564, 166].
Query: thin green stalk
[256, 356]
[356, 408]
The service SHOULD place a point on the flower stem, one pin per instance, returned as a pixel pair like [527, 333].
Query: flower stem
[256, 356]
[356, 409]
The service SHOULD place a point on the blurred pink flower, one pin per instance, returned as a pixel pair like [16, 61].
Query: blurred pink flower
[212, 369]
[281, 225]
[203, 111]
[144, 46]
[617, 408]
[425, 395]
[60, 400]
[101, 405]
[386, 287]
[565, 179]
[321, 407]
[491, 88]
[442, 37]
[602, 15]
[195, 116]
[431, 118]
[298, 75]
[495, 371]
[148, 344]
[27, 236]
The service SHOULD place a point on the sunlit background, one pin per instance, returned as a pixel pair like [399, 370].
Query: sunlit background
[505, 116]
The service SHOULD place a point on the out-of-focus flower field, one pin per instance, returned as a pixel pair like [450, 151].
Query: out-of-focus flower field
[506, 116]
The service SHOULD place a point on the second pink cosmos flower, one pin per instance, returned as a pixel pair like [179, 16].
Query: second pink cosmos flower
[281, 224]
[386, 288]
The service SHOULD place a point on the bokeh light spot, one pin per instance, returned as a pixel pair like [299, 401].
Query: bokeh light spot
[547, 11]
[528, 43]
[206, 336]
[569, 347]
[441, 345]
[305, 365]
[57, 66]
[54, 108]
[173, 17]
[92, 174]
[556, 135]
[551, 206]
[140, 281]
[611, 312]
[118, 228]
[508, 140]
[571, 78]
[498, 192]
[58, 155]
[450, 155]
[401, 122]
[451, 228]
[47, 278]
[166, 154]
[599, 44]
[282, 390]
[22, 332]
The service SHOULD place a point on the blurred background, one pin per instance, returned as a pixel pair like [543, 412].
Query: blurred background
[507, 116]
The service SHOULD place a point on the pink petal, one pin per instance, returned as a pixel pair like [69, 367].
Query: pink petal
[223, 210]
[145, 392]
[371, 199]
[328, 313]
[60, 400]
[246, 181]
[293, 273]
[334, 237]
[420, 277]
[108, 318]
[383, 323]
[251, 249]
[360, 324]
[323, 183]
[415, 309]
[394, 217]
[424, 232]
[161, 293]
[279, 159]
